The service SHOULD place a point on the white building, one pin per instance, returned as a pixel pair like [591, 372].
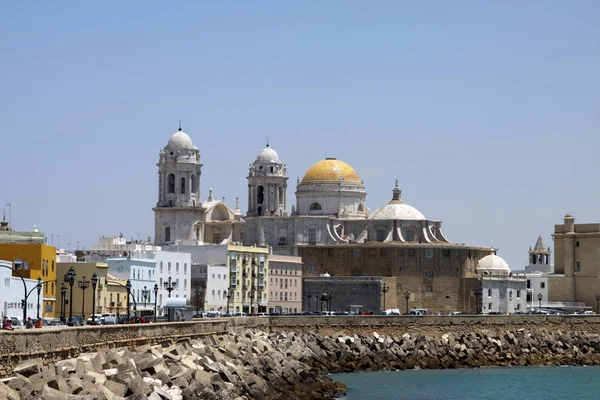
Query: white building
[502, 291]
[178, 267]
[140, 269]
[12, 292]
[216, 288]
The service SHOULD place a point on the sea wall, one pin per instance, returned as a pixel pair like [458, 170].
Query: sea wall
[55, 344]
[251, 364]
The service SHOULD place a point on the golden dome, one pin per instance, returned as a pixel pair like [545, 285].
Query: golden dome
[331, 170]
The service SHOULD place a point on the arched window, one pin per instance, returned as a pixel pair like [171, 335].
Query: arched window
[194, 184]
[171, 184]
[167, 234]
[315, 207]
[216, 236]
[260, 196]
[381, 234]
[182, 185]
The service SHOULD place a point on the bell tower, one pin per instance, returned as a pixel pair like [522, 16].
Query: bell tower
[178, 206]
[267, 185]
[539, 258]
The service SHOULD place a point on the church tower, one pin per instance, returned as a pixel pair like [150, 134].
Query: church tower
[178, 206]
[539, 258]
[267, 185]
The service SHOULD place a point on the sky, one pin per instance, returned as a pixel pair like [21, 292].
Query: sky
[486, 111]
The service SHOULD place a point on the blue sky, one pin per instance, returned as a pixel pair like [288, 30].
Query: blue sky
[487, 111]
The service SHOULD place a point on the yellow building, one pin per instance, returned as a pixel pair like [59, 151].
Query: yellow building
[83, 271]
[33, 261]
[116, 296]
[248, 278]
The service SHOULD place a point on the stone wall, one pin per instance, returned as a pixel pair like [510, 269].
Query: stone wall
[54, 344]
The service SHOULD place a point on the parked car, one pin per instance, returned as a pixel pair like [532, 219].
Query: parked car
[418, 311]
[109, 318]
[17, 323]
[55, 323]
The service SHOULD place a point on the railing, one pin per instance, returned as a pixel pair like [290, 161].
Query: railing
[234, 269]
[261, 271]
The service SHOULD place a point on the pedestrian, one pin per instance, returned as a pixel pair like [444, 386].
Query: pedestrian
[28, 324]
[38, 323]
[7, 325]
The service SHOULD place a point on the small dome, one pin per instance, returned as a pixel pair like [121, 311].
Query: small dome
[493, 263]
[268, 155]
[569, 216]
[180, 140]
[397, 211]
[329, 171]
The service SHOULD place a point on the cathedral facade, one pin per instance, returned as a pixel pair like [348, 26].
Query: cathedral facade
[330, 226]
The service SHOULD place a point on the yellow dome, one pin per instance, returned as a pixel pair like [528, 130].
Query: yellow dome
[331, 170]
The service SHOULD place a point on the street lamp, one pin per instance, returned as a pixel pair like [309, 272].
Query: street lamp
[309, 295]
[229, 296]
[39, 292]
[71, 281]
[94, 285]
[197, 300]
[83, 284]
[598, 303]
[145, 295]
[155, 301]
[128, 287]
[169, 287]
[384, 290]
[540, 297]
[251, 295]
[63, 294]
[406, 297]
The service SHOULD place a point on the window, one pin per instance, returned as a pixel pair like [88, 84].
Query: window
[446, 253]
[410, 235]
[184, 283]
[216, 236]
[312, 235]
[182, 185]
[518, 294]
[52, 266]
[528, 284]
[167, 233]
[428, 289]
[412, 253]
[176, 268]
[213, 277]
[518, 307]
[213, 294]
[428, 253]
[489, 306]
[578, 266]
[171, 184]
[542, 285]
[185, 268]
[380, 235]
[219, 277]
[315, 207]
[6, 282]
[161, 267]
[169, 267]
[510, 294]
[194, 184]
[489, 292]
[577, 244]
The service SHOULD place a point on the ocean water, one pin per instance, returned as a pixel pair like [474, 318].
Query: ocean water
[528, 383]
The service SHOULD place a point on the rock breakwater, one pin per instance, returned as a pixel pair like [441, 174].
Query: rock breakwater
[282, 365]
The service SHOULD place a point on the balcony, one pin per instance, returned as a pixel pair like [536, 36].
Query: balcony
[261, 271]
[233, 283]
[234, 269]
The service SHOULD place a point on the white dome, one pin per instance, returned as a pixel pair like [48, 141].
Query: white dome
[180, 140]
[493, 263]
[399, 211]
[268, 155]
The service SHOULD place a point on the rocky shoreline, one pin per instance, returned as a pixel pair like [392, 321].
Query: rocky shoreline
[259, 365]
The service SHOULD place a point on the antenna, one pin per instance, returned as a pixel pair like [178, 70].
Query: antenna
[267, 141]
[179, 123]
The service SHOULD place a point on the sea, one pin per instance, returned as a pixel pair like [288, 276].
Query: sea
[527, 383]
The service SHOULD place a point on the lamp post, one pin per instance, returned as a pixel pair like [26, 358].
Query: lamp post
[309, 295]
[94, 286]
[229, 296]
[384, 290]
[63, 293]
[598, 303]
[540, 297]
[145, 296]
[169, 287]
[155, 301]
[128, 288]
[406, 297]
[197, 300]
[251, 295]
[83, 284]
[71, 281]
[39, 292]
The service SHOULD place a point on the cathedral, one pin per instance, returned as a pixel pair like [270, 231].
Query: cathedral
[330, 226]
